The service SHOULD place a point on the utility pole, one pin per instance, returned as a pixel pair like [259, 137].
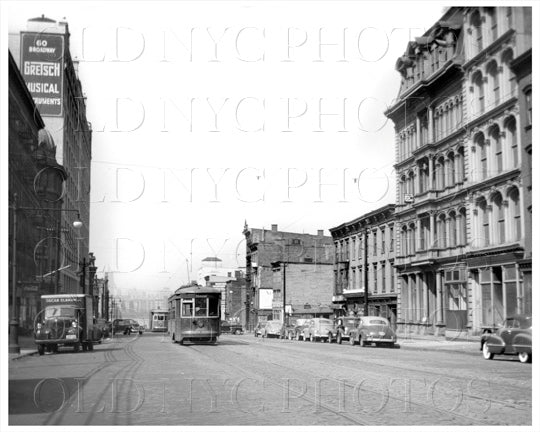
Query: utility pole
[284, 293]
[14, 347]
[366, 309]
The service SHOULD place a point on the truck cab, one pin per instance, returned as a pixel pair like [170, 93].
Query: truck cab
[65, 320]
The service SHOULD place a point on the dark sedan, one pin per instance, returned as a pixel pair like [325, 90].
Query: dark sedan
[513, 337]
[231, 327]
[373, 330]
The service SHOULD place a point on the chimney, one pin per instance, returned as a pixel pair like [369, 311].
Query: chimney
[320, 233]
[274, 227]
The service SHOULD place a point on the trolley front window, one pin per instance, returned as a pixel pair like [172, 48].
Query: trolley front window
[187, 308]
[200, 307]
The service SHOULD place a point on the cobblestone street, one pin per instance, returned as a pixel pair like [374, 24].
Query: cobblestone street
[147, 379]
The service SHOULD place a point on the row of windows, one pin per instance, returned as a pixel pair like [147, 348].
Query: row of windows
[498, 152]
[378, 242]
[380, 280]
[446, 230]
[497, 21]
[497, 220]
[498, 84]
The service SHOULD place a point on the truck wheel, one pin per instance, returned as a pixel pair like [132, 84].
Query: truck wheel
[41, 349]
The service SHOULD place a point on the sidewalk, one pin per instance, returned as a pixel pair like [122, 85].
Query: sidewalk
[438, 343]
[28, 347]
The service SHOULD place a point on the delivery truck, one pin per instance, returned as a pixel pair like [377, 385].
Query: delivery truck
[66, 320]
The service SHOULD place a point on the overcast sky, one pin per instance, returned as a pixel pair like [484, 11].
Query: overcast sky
[208, 114]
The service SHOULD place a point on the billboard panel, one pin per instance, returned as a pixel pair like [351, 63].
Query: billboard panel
[42, 68]
[265, 298]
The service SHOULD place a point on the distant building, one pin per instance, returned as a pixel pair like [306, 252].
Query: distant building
[352, 277]
[265, 247]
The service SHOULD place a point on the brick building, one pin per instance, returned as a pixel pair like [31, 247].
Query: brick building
[264, 247]
[60, 100]
[357, 267]
[35, 186]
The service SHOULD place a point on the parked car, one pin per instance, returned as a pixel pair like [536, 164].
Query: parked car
[230, 327]
[301, 324]
[288, 330]
[272, 328]
[257, 331]
[513, 337]
[322, 329]
[373, 330]
[344, 326]
[125, 326]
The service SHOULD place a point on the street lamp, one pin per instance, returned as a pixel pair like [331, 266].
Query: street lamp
[14, 347]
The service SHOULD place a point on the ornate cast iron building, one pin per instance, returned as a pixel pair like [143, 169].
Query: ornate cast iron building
[459, 208]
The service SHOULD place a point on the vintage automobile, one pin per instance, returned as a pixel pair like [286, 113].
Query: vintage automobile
[373, 330]
[344, 327]
[231, 327]
[320, 329]
[257, 331]
[513, 337]
[126, 326]
[272, 328]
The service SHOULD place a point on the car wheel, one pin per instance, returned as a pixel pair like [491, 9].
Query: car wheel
[362, 342]
[237, 332]
[289, 336]
[338, 338]
[485, 352]
[41, 349]
[524, 357]
[297, 336]
[351, 339]
[311, 338]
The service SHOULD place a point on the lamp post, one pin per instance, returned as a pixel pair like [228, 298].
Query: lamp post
[14, 347]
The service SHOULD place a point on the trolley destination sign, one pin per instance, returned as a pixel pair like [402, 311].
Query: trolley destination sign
[41, 67]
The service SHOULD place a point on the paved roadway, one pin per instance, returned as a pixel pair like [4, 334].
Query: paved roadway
[148, 380]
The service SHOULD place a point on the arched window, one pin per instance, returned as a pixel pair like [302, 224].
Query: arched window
[515, 213]
[498, 218]
[476, 23]
[412, 239]
[441, 184]
[442, 232]
[404, 239]
[452, 230]
[478, 85]
[451, 170]
[482, 156]
[460, 165]
[495, 143]
[511, 141]
[462, 218]
[507, 75]
[492, 21]
[483, 223]
[493, 79]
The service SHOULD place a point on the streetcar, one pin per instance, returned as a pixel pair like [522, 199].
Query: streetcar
[195, 314]
[158, 320]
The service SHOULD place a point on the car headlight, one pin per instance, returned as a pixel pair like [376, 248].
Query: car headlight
[38, 326]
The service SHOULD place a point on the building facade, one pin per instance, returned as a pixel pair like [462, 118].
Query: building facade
[460, 230]
[264, 247]
[302, 289]
[364, 256]
[35, 191]
[60, 99]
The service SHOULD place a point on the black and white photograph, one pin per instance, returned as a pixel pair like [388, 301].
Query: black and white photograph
[311, 215]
